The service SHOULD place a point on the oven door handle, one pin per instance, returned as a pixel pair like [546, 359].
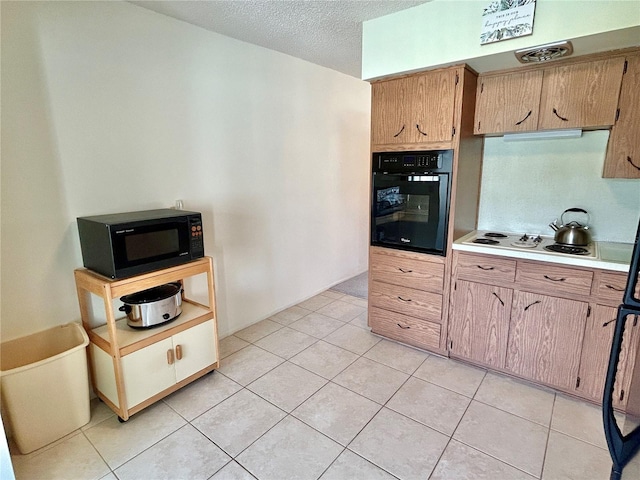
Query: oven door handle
[423, 178]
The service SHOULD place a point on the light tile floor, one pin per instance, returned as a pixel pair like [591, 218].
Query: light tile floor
[310, 393]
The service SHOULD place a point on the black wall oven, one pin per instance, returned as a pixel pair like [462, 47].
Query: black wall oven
[410, 199]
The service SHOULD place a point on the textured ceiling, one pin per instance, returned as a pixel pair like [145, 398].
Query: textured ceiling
[327, 33]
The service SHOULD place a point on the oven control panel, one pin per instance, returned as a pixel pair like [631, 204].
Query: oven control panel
[412, 161]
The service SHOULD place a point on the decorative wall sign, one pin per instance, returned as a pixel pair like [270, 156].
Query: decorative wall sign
[505, 19]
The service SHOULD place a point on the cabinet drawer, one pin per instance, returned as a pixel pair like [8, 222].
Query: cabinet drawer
[485, 269]
[405, 329]
[610, 287]
[553, 280]
[408, 301]
[407, 272]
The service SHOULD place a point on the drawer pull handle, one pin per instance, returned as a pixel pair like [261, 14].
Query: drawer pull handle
[610, 321]
[531, 305]
[528, 115]
[405, 271]
[499, 299]
[611, 287]
[554, 279]
[179, 352]
[555, 112]
[401, 130]
[484, 268]
[170, 356]
[404, 328]
[404, 299]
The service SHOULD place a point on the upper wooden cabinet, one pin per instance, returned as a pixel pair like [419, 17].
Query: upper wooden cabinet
[577, 95]
[582, 95]
[508, 103]
[623, 151]
[388, 102]
[413, 110]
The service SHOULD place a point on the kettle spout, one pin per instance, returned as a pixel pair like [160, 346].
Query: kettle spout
[553, 226]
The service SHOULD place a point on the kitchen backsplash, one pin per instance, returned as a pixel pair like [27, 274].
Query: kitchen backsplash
[527, 184]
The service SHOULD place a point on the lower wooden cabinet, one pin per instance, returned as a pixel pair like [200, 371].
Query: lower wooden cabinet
[598, 336]
[406, 296]
[408, 301]
[545, 323]
[479, 324]
[545, 338]
[405, 329]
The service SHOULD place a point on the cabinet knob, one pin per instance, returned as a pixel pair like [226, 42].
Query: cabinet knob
[179, 352]
[170, 356]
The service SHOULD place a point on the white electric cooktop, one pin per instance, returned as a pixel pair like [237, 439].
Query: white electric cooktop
[528, 243]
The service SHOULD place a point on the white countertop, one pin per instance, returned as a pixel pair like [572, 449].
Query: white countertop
[609, 255]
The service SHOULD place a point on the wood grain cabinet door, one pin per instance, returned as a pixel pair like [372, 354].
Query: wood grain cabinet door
[581, 95]
[389, 101]
[432, 105]
[508, 103]
[479, 322]
[623, 151]
[545, 338]
[595, 355]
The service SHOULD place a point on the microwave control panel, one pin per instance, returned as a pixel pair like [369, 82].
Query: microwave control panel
[195, 226]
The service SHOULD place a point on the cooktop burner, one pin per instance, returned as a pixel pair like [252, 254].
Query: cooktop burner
[567, 249]
[495, 235]
[486, 241]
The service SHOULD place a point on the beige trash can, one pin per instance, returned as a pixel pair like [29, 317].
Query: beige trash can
[44, 385]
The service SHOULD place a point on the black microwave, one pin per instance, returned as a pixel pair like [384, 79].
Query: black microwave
[120, 245]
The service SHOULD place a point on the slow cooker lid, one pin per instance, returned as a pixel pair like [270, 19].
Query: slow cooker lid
[154, 294]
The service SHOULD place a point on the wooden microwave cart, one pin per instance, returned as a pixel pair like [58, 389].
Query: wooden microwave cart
[134, 368]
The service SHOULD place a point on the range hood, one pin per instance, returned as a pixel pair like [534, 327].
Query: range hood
[543, 135]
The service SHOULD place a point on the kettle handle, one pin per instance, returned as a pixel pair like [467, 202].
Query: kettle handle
[578, 210]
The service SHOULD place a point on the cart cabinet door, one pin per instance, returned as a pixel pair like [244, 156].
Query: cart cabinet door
[147, 372]
[195, 350]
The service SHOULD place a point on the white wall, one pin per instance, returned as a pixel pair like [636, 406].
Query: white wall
[108, 107]
[448, 31]
[528, 184]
